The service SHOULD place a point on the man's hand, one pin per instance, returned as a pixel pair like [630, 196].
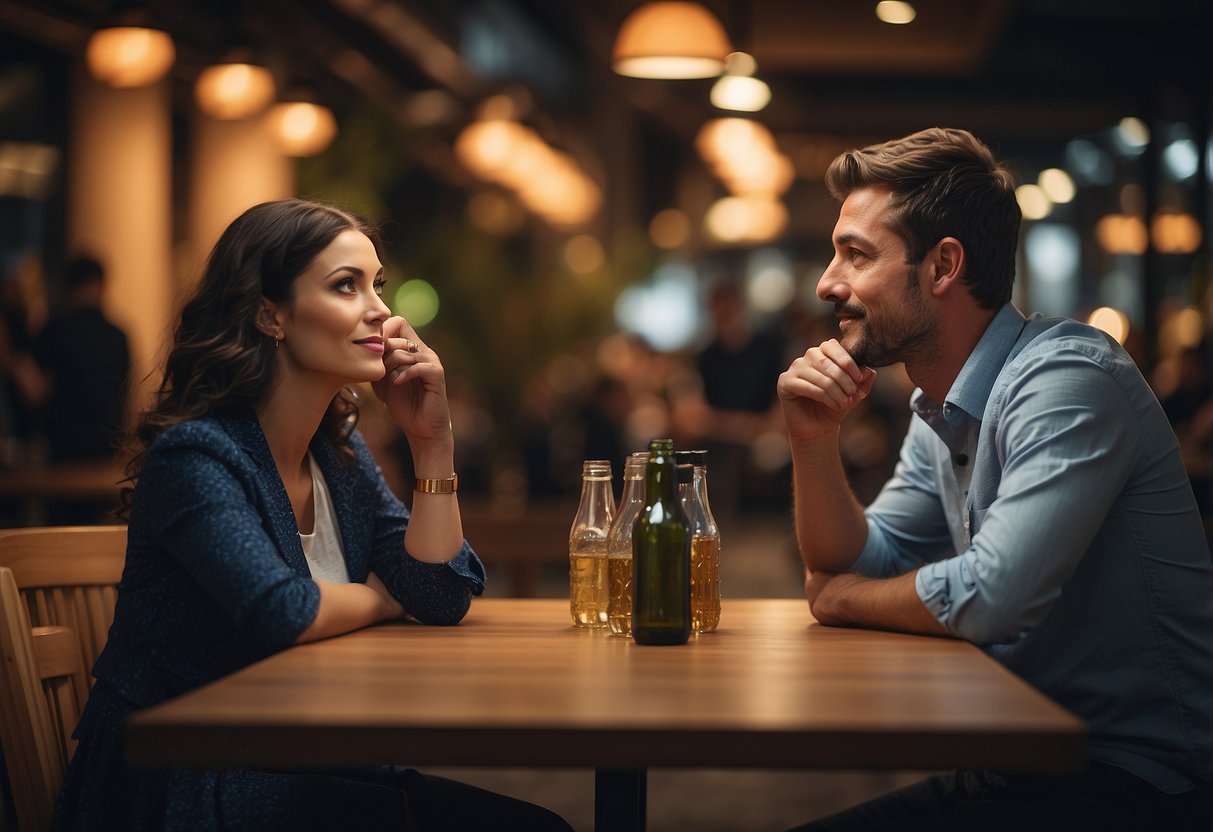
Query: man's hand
[820, 389]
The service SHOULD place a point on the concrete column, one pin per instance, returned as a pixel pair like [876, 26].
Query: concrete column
[120, 210]
[234, 165]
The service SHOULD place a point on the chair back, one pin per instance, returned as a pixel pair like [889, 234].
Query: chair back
[57, 594]
[67, 576]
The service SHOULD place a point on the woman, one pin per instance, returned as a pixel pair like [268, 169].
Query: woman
[258, 520]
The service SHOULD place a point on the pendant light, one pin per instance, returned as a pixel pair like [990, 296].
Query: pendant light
[235, 88]
[667, 39]
[300, 126]
[129, 56]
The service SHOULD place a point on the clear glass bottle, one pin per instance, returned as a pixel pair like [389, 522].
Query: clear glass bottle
[587, 545]
[619, 545]
[661, 556]
[705, 541]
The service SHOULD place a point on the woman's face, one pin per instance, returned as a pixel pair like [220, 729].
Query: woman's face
[332, 327]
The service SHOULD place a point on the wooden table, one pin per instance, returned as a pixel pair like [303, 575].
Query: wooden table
[516, 685]
[99, 482]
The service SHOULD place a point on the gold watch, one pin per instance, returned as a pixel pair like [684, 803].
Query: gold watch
[443, 485]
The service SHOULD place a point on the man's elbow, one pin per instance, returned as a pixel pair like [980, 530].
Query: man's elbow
[989, 625]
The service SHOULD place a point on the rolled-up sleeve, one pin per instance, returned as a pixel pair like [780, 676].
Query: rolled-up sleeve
[906, 522]
[1066, 440]
[432, 593]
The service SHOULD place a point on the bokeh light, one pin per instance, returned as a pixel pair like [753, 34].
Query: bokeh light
[583, 254]
[665, 311]
[1131, 136]
[770, 285]
[1175, 233]
[1181, 159]
[417, 302]
[1112, 321]
[1091, 164]
[1057, 185]
[897, 12]
[1033, 202]
[669, 229]
[1121, 234]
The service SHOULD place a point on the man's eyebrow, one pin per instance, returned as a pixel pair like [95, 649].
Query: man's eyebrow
[848, 237]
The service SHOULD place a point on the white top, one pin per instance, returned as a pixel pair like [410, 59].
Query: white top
[322, 548]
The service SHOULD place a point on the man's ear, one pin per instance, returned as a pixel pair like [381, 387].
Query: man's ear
[267, 319]
[947, 262]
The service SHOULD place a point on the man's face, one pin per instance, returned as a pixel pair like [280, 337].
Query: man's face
[878, 298]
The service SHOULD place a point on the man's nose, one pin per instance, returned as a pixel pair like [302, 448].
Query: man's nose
[831, 288]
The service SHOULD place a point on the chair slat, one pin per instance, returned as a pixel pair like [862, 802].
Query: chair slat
[27, 733]
[57, 596]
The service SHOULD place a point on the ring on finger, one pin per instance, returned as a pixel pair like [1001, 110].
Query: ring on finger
[410, 345]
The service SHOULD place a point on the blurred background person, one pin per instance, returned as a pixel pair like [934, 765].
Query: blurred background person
[739, 369]
[84, 371]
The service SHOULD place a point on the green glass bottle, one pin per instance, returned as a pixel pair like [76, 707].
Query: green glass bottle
[661, 556]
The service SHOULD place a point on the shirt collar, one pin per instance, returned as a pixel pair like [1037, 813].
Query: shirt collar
[971, 389]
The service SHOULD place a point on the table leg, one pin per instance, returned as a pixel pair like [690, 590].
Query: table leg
[619, 799]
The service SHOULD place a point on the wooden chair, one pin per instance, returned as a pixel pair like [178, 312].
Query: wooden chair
[520, 540]
[57, 594]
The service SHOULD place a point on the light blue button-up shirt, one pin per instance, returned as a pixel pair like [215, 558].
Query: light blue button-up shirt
[1054, 524]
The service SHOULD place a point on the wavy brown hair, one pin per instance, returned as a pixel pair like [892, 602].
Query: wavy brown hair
[220, 363]
[946, 183]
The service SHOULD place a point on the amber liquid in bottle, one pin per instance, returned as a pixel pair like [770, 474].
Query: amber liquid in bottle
[619, 545]
[588, 546]
[705, 541]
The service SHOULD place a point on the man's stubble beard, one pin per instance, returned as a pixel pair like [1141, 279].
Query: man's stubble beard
[912, 333]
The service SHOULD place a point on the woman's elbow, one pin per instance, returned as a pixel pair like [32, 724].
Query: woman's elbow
[450, 610]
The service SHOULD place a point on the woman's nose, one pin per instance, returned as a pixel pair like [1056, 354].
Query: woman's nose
[377, 310]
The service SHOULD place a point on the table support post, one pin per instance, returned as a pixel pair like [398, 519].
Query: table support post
[620, 797]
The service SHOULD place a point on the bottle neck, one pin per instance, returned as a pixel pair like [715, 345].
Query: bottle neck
[633, 489]
[699, 488]
[597, 506]
[660, 480]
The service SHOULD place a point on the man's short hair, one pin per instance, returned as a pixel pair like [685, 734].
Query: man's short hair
[83, 270]
[945, 183]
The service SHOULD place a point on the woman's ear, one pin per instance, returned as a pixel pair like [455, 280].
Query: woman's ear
[267, 319]
[947, 259]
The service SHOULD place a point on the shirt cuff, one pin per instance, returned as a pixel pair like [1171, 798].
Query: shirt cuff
[468, 566]
[933, 585]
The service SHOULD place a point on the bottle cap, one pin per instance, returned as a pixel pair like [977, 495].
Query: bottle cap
[596, 469]
[695, 457]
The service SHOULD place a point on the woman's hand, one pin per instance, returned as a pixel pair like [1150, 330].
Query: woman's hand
[391, 607]
[414, 385]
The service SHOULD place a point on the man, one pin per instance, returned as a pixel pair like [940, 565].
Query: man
[85, 363]
[738, 369]
[1039, 508]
